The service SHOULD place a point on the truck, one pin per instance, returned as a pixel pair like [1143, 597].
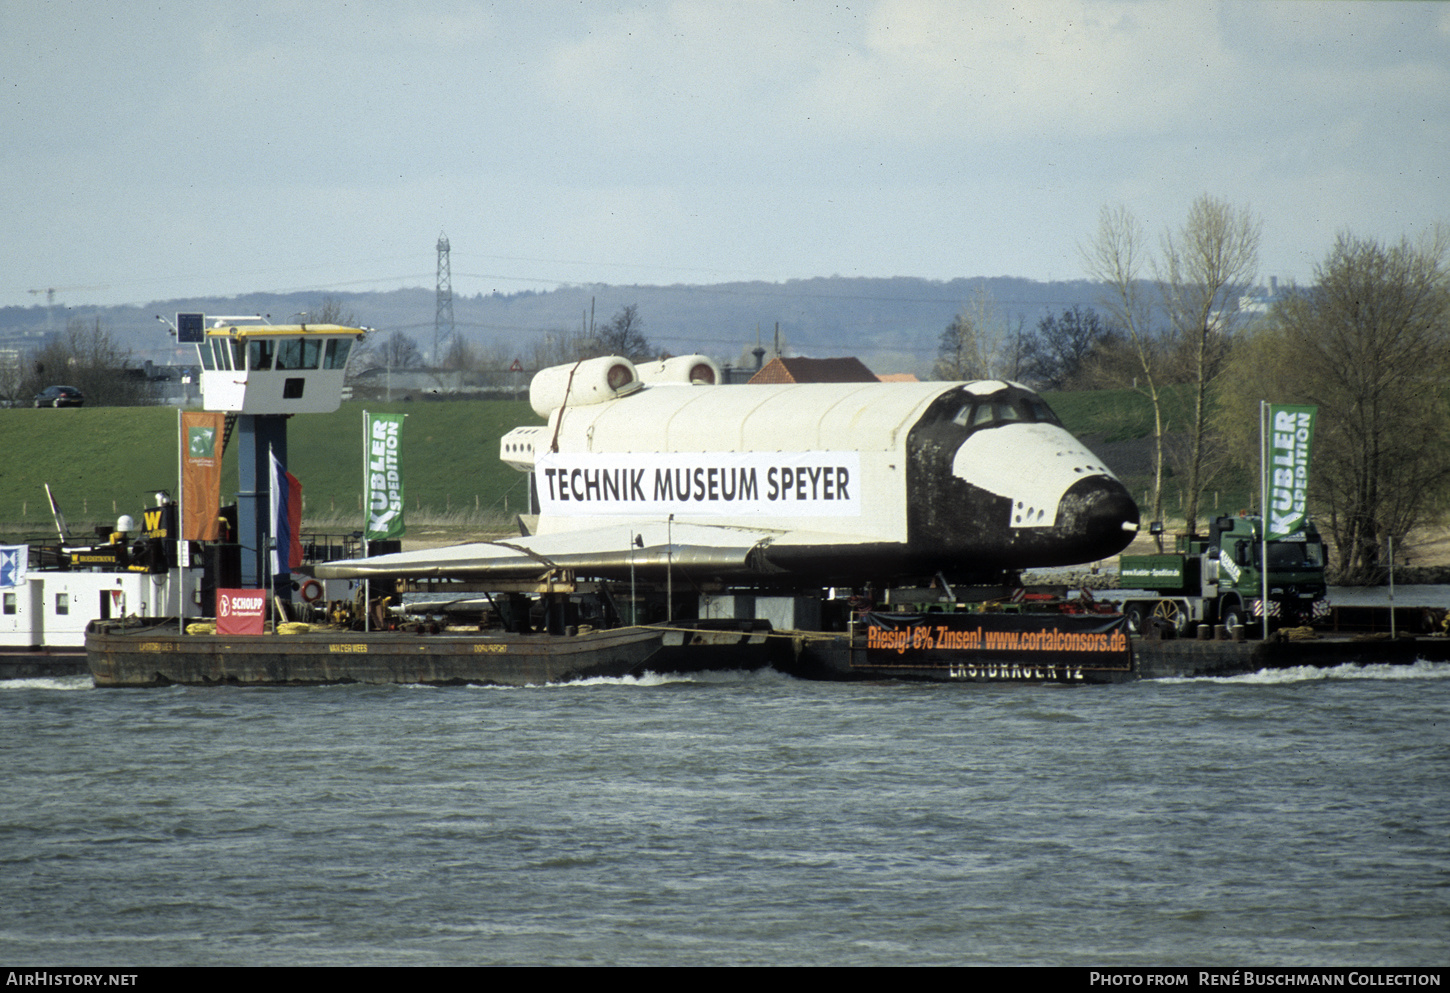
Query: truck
[1218, 579]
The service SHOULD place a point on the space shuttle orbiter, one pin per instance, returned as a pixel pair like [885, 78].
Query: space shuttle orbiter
[805, 484]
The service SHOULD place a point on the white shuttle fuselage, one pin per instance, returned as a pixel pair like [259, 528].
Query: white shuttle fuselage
[817, 483]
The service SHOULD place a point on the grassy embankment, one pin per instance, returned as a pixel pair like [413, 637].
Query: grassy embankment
[1118, 425]
[101, 462]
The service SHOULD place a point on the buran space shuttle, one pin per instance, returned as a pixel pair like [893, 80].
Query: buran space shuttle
[655, 468]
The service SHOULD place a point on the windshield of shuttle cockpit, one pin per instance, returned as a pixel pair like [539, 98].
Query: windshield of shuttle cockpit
[986, 413]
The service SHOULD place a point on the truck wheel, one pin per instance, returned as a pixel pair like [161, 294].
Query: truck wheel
[1172, 611]
[1133, 614]
[1233, 617]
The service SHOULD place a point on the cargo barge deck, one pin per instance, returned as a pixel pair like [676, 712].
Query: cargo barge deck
[158, 654]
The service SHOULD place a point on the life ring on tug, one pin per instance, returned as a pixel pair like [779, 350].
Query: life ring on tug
[311, 591]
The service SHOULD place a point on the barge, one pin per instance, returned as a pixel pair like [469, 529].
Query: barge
[156, 653]
[936, 647]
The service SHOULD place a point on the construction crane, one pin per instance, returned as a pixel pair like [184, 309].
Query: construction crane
[51, 291]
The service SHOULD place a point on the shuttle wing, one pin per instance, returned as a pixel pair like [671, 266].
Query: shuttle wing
[650, 548]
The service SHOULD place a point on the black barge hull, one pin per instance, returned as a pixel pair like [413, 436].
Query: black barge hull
[1185, 658]
[41, 663]
[913, 647]
[160, 655]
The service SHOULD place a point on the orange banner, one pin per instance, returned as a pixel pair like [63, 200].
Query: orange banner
[201, 474]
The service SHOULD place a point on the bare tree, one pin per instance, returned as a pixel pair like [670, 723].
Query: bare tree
[623, 335]
[1369, 344]
[1205, 265]
[461, 356]
[88, 357]
[1060, 350]
[13, 378]
[972, 346]
[560, 346]
[396, 351]
[1116, 256]
[333, 312]
[1203, 268]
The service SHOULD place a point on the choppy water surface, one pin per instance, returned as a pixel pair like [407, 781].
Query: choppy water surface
[1294, 818]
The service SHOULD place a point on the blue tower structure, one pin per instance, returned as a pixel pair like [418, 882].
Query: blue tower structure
[263, 375]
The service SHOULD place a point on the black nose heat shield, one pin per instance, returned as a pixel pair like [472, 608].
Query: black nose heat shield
[971, 528]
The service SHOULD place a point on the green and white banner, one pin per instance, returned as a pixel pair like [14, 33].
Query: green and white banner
[1288, 439]
[383, 477]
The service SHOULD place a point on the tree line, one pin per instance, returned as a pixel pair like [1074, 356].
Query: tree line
[1367, 342]
[623, 334]
[87, 356]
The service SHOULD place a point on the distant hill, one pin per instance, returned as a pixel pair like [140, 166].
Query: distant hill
[893, 325]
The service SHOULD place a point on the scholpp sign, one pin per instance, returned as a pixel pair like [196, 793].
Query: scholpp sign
[241, 611]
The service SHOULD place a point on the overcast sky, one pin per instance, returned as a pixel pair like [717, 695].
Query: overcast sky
[158, 150]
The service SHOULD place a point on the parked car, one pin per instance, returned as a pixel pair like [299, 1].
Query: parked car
[60, 396]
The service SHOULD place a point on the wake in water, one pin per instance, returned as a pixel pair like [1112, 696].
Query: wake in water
[1349, 671]
[1420, 670]
[48, 683]
[730, 677]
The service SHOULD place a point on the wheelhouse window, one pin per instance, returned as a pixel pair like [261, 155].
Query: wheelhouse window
[216, 354]
[299, 353]
[335, 357]
[259, 353]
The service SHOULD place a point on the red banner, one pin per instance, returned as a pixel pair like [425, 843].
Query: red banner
[241, 611]
[201, 474]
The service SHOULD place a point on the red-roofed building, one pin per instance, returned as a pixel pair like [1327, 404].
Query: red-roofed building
[842, 370]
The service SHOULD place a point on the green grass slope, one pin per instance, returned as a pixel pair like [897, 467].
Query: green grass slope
[102, 461]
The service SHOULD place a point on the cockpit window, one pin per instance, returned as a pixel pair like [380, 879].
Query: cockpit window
[985, 413]
[1041, 412]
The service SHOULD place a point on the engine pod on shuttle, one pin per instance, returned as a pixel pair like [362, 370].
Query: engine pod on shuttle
[582, 383]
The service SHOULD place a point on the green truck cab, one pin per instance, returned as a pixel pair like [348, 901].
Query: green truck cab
[1218, 579]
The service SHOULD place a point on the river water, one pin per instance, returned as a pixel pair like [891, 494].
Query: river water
[1295, 818]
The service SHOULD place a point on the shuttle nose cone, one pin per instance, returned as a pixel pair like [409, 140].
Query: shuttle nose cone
[1097, 517]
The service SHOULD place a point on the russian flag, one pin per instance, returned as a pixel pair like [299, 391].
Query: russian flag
[286, 518]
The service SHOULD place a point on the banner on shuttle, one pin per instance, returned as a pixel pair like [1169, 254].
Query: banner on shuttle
[706, 484]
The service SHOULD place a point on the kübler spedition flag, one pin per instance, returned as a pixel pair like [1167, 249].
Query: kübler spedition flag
[1289, 437]
[381, 469]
